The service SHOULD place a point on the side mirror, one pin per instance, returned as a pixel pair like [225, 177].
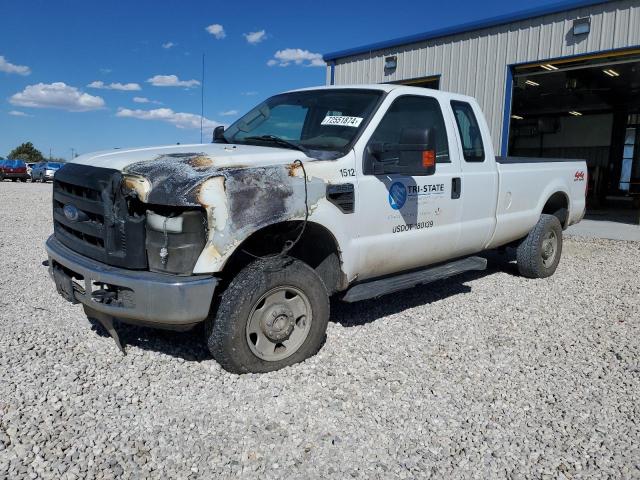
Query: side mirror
[415, 154]
[218, 134]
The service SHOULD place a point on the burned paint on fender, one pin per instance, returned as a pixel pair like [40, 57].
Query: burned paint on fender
[239, 200]
[258, 197]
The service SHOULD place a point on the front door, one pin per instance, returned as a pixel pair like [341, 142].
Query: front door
[408, 220]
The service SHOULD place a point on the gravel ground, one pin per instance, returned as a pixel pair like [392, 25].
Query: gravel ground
[484, 376]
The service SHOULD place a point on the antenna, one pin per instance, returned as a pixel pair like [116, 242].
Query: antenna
[202, 99]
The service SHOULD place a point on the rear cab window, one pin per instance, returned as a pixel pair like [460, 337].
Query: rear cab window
[469, 130]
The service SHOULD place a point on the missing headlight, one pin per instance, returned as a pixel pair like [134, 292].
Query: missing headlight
[175, 241]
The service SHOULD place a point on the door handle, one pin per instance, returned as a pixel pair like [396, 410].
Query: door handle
[456, 187]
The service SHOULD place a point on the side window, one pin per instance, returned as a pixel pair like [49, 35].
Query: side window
[414, 112]
[472, 147]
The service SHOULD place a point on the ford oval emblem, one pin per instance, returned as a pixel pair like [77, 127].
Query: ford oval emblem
[71, 213]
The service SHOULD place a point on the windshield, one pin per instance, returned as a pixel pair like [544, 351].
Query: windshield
[53, 165]
[313, 119]
[15, 163]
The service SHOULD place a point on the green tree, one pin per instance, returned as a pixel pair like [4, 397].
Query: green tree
[26, 152]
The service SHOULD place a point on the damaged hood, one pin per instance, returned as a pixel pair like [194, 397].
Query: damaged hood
[196, 175]
[219, 154]
[242, 188]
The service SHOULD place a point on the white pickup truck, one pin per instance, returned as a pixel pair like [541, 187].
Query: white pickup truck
[353, 191]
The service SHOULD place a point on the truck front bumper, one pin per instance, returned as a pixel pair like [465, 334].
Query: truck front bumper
[133, 296]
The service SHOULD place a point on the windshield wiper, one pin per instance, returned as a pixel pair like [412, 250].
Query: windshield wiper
[278, 141]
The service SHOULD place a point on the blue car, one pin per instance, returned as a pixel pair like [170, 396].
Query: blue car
[44, 171]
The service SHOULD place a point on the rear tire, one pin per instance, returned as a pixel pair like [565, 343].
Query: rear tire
[539, 252]
[273, 314]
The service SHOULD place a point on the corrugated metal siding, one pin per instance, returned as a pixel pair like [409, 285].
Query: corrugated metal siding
[474, 63]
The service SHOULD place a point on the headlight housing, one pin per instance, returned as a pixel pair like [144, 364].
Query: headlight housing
[175, 240]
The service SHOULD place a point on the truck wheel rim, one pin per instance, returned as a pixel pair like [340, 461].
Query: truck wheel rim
[549, 248]
[279, 323]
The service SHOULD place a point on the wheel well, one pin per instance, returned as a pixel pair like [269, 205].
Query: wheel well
[317, 247]
[558, 205]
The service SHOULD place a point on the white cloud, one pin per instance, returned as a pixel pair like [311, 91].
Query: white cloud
[18, 113]
[145, 100]
[216, 30]
[179, 119]
[297, 56]
[106, 71]
[125, 87]
[229, 113]
[255, 37]
[56, 95]
[168, 45]
[8, 67]
[171, 81]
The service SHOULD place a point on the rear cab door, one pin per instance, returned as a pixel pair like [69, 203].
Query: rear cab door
[479, 188]
[407, 219]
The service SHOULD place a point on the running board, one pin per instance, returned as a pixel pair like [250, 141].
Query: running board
[384, 286]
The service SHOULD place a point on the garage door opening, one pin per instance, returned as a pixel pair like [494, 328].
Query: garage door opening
[587, 108]
[432, 82]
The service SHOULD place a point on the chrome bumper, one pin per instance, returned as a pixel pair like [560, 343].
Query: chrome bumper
[133, 296]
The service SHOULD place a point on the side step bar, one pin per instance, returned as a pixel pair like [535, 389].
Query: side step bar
[384, 286]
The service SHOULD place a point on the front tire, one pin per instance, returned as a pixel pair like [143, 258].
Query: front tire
[273, 314]
[539, 252]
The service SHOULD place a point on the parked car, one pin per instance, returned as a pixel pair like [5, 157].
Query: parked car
[44, 171]
[357, 192]
[30, 167]
[13, 169]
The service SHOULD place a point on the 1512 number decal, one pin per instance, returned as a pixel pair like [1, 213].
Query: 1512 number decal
[348, 172]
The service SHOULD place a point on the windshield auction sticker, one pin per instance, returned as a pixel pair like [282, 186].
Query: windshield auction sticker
[342, 121]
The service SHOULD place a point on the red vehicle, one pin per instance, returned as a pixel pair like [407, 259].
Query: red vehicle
[13, 169]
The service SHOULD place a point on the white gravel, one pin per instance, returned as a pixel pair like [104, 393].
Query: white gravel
[486, 376]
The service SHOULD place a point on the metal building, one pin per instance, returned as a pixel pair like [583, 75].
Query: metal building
[557, 80]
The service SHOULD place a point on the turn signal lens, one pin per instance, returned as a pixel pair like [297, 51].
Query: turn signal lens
[428, 158]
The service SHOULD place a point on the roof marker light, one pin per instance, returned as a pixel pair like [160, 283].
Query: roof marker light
[517, 117]
[575, 114]
[548, 67]
[611, 72]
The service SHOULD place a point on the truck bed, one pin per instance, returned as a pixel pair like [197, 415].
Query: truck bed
[511, 160]
[522, 179]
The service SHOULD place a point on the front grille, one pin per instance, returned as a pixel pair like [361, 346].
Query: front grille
[99, 225]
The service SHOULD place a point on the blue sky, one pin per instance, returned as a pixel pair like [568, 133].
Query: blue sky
[91, 75]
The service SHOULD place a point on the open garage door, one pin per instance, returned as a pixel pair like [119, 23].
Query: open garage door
[588, 108]
[432, 82]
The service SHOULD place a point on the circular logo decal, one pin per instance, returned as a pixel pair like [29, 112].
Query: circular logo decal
[71, 213]
[397, 195]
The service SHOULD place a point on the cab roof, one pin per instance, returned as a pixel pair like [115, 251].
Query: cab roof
[390, 87]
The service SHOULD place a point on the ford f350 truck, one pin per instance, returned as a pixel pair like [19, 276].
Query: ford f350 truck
[352, 191]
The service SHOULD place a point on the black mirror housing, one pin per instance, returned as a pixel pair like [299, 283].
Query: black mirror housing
[218, 134]
[414, 155]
